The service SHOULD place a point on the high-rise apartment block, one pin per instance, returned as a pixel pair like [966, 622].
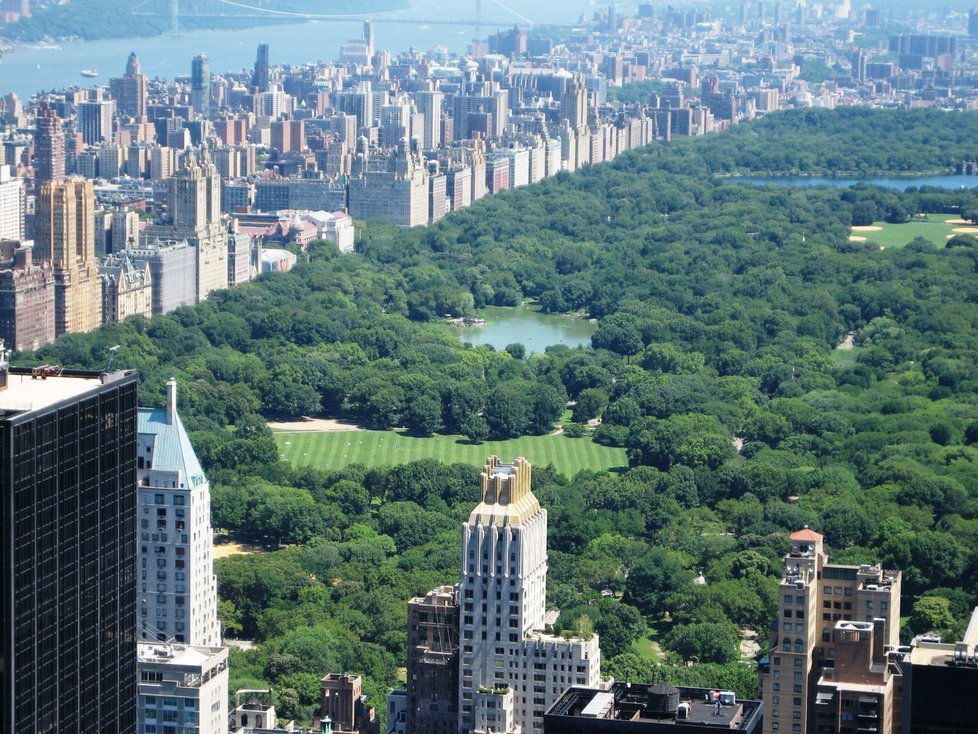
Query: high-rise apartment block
[131, 91]
[432, 664]
[511, 670]
[177, 586]
[183, 688]
[194, 215]
[835, 623]
[172, 266]
[66, 238]
[26, 298]
[12, 205]
[260, 76]
[49, 146]
[200, 84]
[95, 117]
[68, 550]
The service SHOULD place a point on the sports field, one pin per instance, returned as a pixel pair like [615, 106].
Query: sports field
[937, 228]
[336, 449]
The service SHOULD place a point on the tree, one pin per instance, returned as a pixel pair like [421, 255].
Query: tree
[508, 412]
[422, 414]
[475, 428]
[631, 668]
[931, 614]
[652, 579]
[591, 402]
[706, 642]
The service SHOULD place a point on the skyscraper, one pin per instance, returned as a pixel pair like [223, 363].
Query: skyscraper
[510, 669]
[177, 586]
[200, 84]
[67, 547]
[66, 238]
[11, 205]
[49, 146]
[194, 201]
[430, 104]
[260, 76]
[130, 92]
[834, 622]
[95, 117]
[432, 664]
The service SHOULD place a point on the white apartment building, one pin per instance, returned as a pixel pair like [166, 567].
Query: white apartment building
[510, 669]
[183, 689]
[177, 589]
[11, 205]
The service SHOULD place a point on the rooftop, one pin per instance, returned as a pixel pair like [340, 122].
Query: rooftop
[807, 535]
[25, 393]
[638, 703]
[506, 494]
[177, 655]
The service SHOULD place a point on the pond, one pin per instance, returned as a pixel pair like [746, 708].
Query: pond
[890, 182]
[528, 326]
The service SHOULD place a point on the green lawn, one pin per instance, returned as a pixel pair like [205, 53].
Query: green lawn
[935, 228]
[336, 449]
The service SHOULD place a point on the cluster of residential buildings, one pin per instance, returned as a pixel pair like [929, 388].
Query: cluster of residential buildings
[148, 194]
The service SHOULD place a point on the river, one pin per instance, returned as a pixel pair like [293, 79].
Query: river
[527, 326]
[29, 69]
[889, 182]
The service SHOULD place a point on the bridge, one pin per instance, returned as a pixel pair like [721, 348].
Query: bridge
[255, 11]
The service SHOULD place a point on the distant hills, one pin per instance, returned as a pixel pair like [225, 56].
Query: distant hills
[95, 19]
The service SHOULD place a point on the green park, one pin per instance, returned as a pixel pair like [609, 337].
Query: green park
[338, 449]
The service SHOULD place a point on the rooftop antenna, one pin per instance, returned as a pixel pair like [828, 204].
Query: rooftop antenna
[112, 352]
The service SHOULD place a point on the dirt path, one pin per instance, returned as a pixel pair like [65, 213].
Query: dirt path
[321, 425]
[848, 343]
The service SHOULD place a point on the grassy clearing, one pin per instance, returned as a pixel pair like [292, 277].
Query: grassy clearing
[934, 228]
[336, 449]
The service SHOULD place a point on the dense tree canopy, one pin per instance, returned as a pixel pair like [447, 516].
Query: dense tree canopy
[715, 364]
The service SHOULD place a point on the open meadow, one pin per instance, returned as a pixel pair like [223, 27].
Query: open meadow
[937, 228]
[336, 449]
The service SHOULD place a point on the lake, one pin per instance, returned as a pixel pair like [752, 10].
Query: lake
[527, 326]
[889, 182]
[30, 69]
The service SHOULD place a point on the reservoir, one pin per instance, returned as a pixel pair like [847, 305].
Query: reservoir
[889, 182]
[528, 326]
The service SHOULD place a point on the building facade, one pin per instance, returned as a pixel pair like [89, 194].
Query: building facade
[815, 597]
[26, 300]
[177, 586]
[12, 205]
[171, 264]
[68, 547]
[127, 289]
[432, 664]
[66, 238]
[511, 670]
[182, 688]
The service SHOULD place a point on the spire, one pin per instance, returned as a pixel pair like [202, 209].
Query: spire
[171, 401]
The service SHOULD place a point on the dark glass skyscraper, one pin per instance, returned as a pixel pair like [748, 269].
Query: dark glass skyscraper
[67, 551]
[200, 84]
[259, 78]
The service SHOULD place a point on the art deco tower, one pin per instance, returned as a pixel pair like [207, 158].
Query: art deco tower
[510, 669]
[66, 239]
[130, 92]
